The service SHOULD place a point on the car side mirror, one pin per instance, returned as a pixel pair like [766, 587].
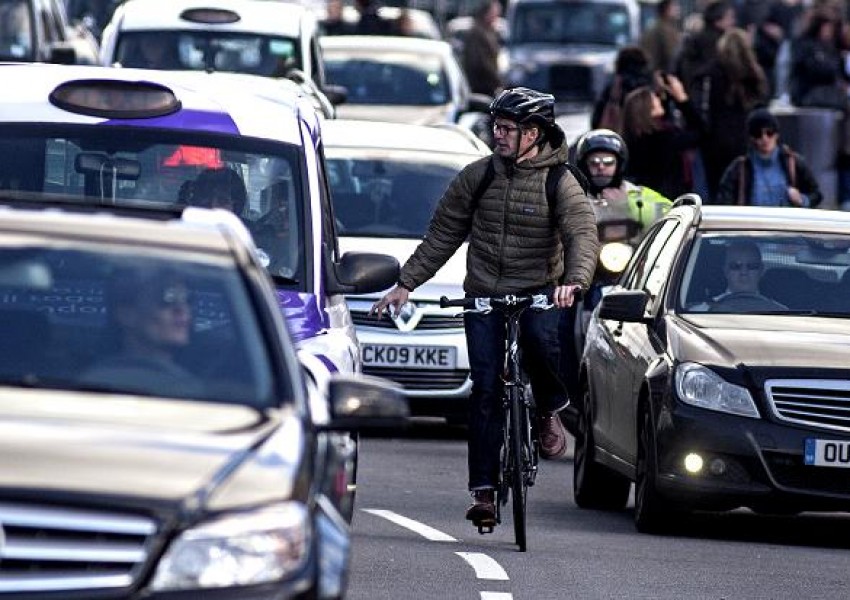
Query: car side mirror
[360, 273]
[337, 94]
[363, 402]
[624, 305]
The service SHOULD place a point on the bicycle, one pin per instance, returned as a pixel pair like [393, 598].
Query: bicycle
[519, 454]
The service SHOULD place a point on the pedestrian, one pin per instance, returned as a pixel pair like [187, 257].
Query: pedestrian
[334, 23]
[370, 22]
[699, 48]
[662, 150]
[480, 56]
[770, 173]
[817, 66]
[733, 85]
[663, 39]
[631, 71]
[519, 243]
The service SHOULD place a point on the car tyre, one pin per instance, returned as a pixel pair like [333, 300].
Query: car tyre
[594, 486]
[653, 513]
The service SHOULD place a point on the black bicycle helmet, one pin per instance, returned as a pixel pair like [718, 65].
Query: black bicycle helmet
[524, 105]
[602, 140]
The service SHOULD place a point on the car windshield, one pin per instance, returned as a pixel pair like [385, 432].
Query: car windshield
[395, 196]
[259, 181]
[749, 272]
[209, 51]
[119, 319]
[15, 30]
[571, 23]
[391, 78]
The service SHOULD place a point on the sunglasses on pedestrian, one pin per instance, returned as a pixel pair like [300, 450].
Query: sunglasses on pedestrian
[602, 161]
[764, 132]
[740, 266]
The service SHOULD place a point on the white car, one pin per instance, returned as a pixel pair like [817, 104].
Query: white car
[386, 180]
[258, 37]
[399, 79]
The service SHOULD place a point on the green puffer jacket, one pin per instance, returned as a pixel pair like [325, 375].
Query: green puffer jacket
[513, 247]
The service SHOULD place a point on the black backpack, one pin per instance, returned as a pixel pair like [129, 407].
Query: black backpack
[553, 178]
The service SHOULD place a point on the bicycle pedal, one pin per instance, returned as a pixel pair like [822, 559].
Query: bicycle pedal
[485, 527]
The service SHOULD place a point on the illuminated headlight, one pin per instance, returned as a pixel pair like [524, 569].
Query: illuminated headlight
[237, 550]
[702, 387]
[614, 256]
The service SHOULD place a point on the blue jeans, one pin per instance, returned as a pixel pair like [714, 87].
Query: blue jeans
[541, 351]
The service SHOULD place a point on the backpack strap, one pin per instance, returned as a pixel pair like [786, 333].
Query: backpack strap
[553, 179]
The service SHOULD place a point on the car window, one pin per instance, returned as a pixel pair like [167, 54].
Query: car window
[16, 31]
[392, 78]
[638, 271]
[202, 50]
[752, 272]
[124, 320]
[384, 195]
[572, 23]
[259, 181]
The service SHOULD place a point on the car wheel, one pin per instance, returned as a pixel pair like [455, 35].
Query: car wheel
[653, 513]
[594, 486]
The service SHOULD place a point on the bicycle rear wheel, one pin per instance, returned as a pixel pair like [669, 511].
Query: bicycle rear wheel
[519, 484]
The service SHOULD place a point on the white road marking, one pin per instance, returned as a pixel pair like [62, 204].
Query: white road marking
[496, 596]
[485, 567]
[429, 533]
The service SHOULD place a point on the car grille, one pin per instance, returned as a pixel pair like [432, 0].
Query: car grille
[820, 403]
[572, 83]
[55, 549]
[422, 379]
[428, 321]
[789, 471]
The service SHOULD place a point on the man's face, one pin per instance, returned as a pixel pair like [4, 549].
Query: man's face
[743, 271]
[511, 139]
[163, 317]
[601, 166]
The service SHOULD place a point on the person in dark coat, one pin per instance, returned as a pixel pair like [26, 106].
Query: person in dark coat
[663, 39]
[700, 48]
[661, 150]
[631, 71]
[733, 86]
[480, 58]
[770, 173]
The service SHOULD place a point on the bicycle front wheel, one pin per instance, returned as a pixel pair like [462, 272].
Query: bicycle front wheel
[519, 484]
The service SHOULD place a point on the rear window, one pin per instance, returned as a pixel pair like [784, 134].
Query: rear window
[393, 78]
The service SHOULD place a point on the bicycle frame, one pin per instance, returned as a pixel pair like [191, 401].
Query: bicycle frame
[519, 453]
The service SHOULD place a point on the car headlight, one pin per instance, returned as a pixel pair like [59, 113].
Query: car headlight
[236, 550]
[614, 256]
[702, 387]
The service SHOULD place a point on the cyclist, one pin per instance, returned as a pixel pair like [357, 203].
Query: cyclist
[515, 247]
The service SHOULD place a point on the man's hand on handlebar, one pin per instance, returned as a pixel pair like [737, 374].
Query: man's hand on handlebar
[565, 295]
[395, 298]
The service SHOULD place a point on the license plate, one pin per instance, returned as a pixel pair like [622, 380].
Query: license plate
[827, 453]
[410, 357]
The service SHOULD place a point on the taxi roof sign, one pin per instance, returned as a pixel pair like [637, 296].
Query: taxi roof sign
[114, 99]
[210, 16]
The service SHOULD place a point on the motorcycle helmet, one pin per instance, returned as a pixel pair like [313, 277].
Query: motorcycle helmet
[602, 140]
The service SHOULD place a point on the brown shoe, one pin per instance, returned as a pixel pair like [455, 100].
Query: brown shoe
[553, 437]
[482, 511]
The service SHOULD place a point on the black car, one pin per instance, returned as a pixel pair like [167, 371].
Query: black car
[155, 421]
[716, 373]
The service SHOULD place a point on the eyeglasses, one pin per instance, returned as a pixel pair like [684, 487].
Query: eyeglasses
[504, 129]
[173, 296]
[740, 266]
[602, 161]
[762, 133]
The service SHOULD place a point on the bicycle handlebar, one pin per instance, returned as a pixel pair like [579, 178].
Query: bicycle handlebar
[487, 303]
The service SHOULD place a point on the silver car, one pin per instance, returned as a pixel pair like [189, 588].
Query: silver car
[386, 180]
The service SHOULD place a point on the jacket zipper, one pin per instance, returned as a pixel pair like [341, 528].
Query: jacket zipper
[504, 228]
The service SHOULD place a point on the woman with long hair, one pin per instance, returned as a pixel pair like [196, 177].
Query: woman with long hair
[734, 85]
[661, 149]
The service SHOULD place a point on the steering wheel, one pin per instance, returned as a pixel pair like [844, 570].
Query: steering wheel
[744, 302]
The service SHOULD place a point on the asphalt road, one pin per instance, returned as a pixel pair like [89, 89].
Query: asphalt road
[411, 541]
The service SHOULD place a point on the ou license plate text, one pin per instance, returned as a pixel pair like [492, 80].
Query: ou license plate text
[827, 453]
[411, 357]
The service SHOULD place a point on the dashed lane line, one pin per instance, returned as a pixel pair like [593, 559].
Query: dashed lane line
[429, 533]
[496, 596]
[484, 566]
